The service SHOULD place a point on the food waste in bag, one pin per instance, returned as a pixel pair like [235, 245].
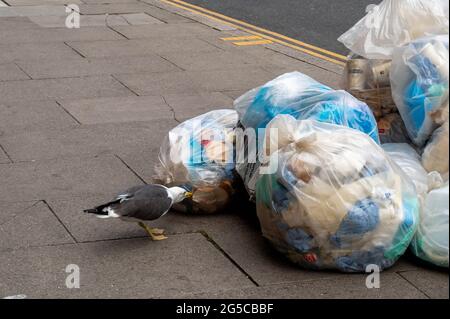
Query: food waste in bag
[302, 97]
[419, 80]
[334, 200]
[199, 154]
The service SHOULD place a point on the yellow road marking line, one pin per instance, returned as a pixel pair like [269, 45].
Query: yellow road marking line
[295, 47]
[248, 37]
[244, 43]
[301, 43]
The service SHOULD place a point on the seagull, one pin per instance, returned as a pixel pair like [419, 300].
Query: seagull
[142, 203]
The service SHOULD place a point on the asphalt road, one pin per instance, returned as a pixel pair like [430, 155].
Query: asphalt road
[317, 22]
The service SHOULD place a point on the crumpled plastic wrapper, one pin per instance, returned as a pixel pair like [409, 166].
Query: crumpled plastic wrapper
[199, 155]
[335, 200]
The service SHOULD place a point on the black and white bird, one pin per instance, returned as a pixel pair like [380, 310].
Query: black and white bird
[141, 204]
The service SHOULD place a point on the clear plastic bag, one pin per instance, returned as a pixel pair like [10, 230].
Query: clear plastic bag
[302, 97]
[406, 157]
[336, 201]
[394, 23]
[436, 155]
[419, 80]
[431, 239]
[199, 154]
[430, 242]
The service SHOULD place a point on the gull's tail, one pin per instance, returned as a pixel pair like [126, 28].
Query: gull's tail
[100, 210]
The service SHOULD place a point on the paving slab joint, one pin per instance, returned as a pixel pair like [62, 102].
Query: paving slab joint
[124, 85]
[60, 221]
[399, 273]
[7, 155]
[171, 109]
[217, 246]
[131, 169]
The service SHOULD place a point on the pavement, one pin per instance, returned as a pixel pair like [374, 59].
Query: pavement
[82, 114]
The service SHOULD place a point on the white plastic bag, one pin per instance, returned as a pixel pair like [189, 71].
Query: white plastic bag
[435, 156]
[394, 23]
[408, 160]
[419, 80]
[431, 240]
[198, 154]
[336, 201]
[304, 98]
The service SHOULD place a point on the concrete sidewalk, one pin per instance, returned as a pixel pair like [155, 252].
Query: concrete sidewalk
[82, 115]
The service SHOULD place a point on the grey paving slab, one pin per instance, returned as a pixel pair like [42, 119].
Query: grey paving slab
[47, 69]
[159, 83]
[118, 109]
[34, 226]
[209, 60]
[86, 227]
[108, 1]
[165, 30]
[35, 51]
[91, 140]
[42, 2]
[15, 23]
[338, 287]
[137, 268]
[433, 283]
[141, 47]
[4, 159]
[85, 21]
[231, 79]
[64, 178]
[9, 210]
[68, 88]
[113, 8]
[10, 71]
[187, 106]
[166, 16]
[306, 58]
[140, 19]
[31, 11]
[20, 116]
[256, 256]
[234, 94]
[59, 34]
[142, 161]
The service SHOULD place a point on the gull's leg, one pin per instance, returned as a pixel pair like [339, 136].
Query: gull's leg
[154, 233]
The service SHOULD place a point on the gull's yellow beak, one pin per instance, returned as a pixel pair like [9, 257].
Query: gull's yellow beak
[188, 194]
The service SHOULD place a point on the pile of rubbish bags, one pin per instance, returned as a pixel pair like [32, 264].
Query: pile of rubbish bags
[342, 179]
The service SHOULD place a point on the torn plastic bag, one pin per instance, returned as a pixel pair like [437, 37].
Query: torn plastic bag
[199, 154]
[302, 97]
[430, 242]
[334, 200]
[394, 23]
[419, 80]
